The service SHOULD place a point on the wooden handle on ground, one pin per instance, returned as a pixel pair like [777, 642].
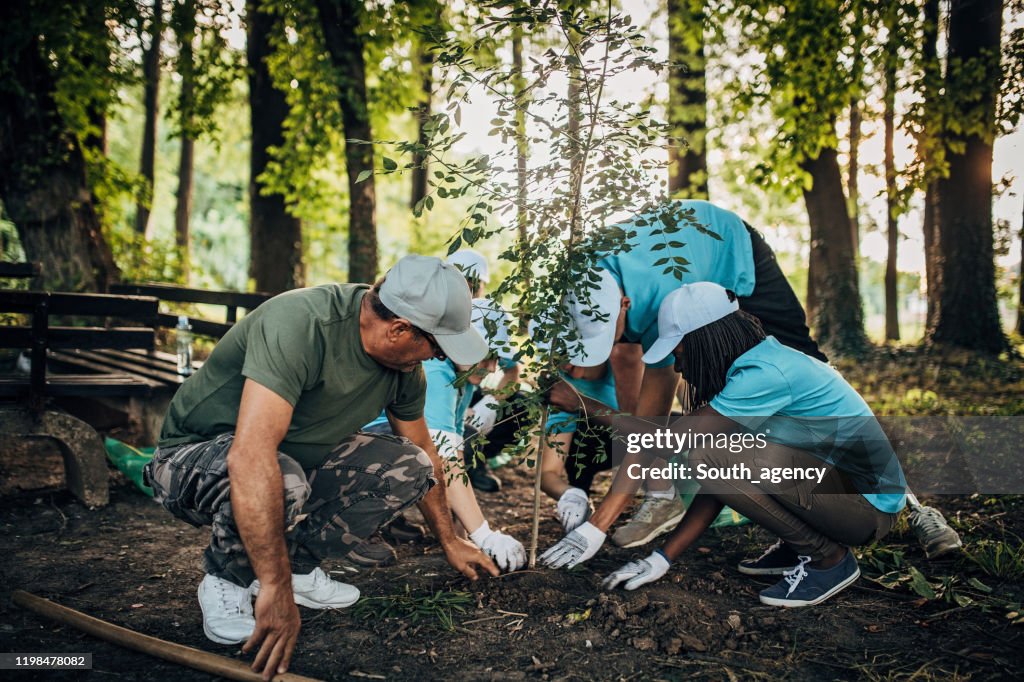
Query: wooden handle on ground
[175, 653]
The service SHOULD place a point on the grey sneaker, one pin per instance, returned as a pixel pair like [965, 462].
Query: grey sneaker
[776, 560]
[657, 515]
[804, 586]
[372, 553]
[932, 531]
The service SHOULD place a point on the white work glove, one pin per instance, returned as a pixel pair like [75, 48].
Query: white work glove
[573, 508]
[507, 552]
[485, 414]
[574, 548]
[639, 572]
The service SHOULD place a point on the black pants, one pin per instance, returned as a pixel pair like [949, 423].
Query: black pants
[775, 304]
[585, 457]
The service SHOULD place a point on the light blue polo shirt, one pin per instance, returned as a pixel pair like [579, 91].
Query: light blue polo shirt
[801, 402]
[726, 259]
[602, 390]
[445, 406]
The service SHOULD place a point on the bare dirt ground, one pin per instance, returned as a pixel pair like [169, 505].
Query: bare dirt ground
[132, 564]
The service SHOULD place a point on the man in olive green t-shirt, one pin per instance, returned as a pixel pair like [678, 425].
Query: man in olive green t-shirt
[263, 445]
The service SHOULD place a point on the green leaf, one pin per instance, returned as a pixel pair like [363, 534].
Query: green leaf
[978, 585]
[919, 584]
[389, 164]
[363, 174]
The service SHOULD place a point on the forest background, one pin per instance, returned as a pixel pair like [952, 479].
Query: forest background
[204, 141]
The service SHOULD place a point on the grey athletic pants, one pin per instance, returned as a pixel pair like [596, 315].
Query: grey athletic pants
[365, 482]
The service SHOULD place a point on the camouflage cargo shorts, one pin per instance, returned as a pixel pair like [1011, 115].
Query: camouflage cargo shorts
[366, 481]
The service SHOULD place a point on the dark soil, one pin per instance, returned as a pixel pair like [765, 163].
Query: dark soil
[134, 565]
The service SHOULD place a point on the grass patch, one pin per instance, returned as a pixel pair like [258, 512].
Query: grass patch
[437, 608]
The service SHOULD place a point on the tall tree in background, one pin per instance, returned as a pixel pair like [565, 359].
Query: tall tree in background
[275, 235]
[810, 89]
[929, 146]
[1020, 283]
[43, 186]
[687, 100]
[151, 101]
[890, 63]
[857, 78]
[339, 20]
[967, 314]
[183, 16]
[425, 66]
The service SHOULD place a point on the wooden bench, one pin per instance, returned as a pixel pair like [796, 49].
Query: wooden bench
[32, 415]
[100, 371]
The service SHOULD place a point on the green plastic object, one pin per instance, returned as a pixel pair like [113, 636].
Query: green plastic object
[129, 460]
[726, 518]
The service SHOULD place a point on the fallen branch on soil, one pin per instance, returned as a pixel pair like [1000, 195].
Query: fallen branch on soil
[175, 653]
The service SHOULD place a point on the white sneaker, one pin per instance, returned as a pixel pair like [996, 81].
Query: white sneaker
[316, 591]
[227, 610]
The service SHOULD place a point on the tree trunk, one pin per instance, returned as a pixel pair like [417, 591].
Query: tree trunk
[1020, 283]
[968, 314]
[340, 22]
[43, 185]
[839, 320]
[423, 111]
[687, 106]
[930, 222]
[892, 324]
[186, 67]
[522, 149]
[275, 248]
[853, 184]
[151, 98]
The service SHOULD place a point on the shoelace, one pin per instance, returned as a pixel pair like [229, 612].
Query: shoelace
[777, 545]
[928, 520]
[646, 511]
[225, 598]
[797, 574]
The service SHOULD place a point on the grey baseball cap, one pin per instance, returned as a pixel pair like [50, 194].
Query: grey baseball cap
[433, 296]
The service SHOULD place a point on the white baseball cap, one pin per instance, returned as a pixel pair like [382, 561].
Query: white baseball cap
[434, 297]
[687, 309]
[500, 343]
[472, 264]
[595, 321]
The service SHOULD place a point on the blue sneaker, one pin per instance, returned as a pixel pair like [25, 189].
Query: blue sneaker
[804, 586]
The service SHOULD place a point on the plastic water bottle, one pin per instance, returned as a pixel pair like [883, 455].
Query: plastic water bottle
[183, 334]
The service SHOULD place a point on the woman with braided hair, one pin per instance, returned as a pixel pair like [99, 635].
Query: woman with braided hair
[820, 474]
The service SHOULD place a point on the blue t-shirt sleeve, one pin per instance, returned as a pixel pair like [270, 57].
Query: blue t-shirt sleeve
[755, 391]
[561, 422]
[442, 396]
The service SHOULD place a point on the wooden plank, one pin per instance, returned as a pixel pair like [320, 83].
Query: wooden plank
[170, 292]
[8, 269]
[199, 326]
[60, 303]
[78, 385]
[94, 361]
[80, 337]
[113, 361]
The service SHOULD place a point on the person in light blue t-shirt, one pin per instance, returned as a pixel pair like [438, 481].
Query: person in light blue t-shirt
[572, 456]
[654, 253]
[833, 479]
